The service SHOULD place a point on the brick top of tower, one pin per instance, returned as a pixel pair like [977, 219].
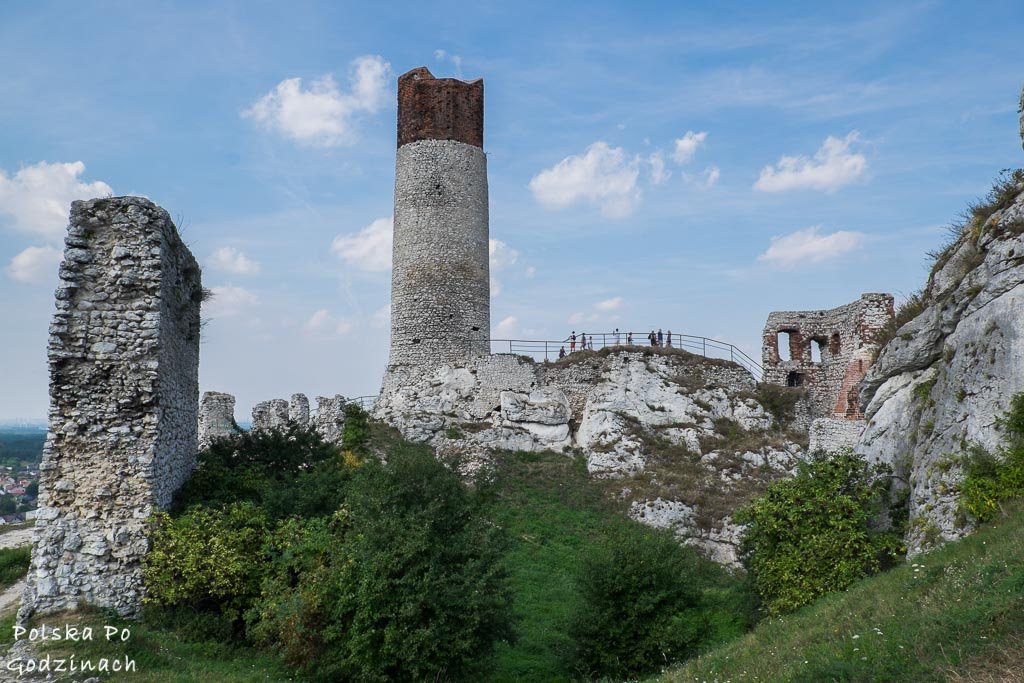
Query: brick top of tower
[439, 108]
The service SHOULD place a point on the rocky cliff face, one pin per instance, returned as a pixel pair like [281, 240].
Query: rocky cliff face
[950, 372]
[681, 438]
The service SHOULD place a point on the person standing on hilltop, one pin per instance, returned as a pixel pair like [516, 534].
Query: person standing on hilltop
[653, 338]
[572, 341]
[561, 353]
[668, 340]
[583, 341]
[661, 338]
[616, 336]
[629, 339]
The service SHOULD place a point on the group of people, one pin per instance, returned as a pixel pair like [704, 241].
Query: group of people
[587, 343]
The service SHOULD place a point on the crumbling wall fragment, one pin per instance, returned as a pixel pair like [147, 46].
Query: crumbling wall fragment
[216, 417]
[124, 394]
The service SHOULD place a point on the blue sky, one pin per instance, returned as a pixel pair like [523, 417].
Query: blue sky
[690, 167]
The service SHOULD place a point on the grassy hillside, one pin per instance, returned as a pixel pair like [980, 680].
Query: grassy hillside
[954, 614]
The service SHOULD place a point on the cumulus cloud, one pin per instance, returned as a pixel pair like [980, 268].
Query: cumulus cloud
[506, 329]
[228, 301]
[604, 176]
[322, 115]
[231, 260]
[323, 325]
[39, 197]
[35, 265]
[711, 176]
[810, 246]
[834, 165]
[501, 255]
[608, 305]
[658, 172]
[456, 60]
[686, 146]
[369, 249]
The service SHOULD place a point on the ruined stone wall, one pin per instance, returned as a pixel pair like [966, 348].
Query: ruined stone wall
[832, 435]
[845, 338]
[440, 286]
[216, 417]
[124, 393]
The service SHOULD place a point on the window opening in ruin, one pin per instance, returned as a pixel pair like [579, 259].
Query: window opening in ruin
[782, 341]
[816, 349]
[833, 345]
[795, 379]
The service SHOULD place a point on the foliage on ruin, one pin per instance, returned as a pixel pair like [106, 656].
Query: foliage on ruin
[780, 402]
[814, 534]
[990, 479]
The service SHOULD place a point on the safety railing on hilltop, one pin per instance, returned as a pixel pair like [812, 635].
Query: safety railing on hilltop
[364, 402]
[548, 350]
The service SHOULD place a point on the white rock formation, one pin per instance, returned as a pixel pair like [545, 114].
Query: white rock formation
[944, 380]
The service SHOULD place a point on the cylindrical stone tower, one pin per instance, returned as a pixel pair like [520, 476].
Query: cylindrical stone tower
[440, 279]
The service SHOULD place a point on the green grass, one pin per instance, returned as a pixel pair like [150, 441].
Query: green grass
[13, 564]
[956, 613]
[163, 656]
[553, 516]
[556, 514]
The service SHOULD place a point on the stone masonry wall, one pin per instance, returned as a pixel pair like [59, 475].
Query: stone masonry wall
[124, 393]
[845, 337]
[440, 286]
[216, 417]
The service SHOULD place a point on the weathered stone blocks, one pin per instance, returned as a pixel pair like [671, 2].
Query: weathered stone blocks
[124, 393]
[216, 417]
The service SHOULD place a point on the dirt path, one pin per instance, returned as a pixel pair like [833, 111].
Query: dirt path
[11, 597]
[16, 538]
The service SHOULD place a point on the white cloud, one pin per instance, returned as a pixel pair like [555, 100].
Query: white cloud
[35, 265]
[686, 146]
[231, 260]
[369, 249]
[322, 115]
[608, 305]
[506, 329]
[501, 255]
[833, 165]
[711, 176]
[808, 246]
[602, 175]
[576, 318]
[39, 197]
[456, 60]
[658, 172]
[228, 301]
[323, 325]
[496, 287]
[530, 271]
[381, 318]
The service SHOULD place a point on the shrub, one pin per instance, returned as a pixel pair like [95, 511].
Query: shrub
[355, 436]
[207, 560]
[284, 472]
[779, 401]
[406, 584]
[14, 563]
[813, 534]
[988, 479]
[905, 312]
[641, 606]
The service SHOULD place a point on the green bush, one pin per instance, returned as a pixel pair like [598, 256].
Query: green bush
[207, 561]
[641, 606]
[290, 471]
[988, 479]
[813, 534]
[780, 402]
[355, 436]
[406, 583]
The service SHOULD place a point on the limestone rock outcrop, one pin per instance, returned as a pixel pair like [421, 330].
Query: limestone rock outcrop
[949, 373]
[680, 432]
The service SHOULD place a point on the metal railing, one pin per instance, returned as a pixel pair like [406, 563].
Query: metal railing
[548, 350]
[364, 402]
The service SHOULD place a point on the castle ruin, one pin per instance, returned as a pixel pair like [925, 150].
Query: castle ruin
[827, 352]
[440, 281]
[124, 392]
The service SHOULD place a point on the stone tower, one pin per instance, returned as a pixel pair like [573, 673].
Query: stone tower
[440, 280]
